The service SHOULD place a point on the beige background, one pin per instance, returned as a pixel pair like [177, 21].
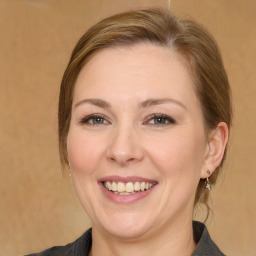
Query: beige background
[38, 206]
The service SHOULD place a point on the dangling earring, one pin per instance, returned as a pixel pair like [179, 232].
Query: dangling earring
[69, 168]
[208, 185]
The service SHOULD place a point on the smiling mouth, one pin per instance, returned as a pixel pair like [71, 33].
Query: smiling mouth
[128, 188]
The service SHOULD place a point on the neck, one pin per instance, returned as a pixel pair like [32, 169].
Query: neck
[177, 239]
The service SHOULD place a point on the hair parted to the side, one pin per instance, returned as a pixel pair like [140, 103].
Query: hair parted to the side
[156, 26]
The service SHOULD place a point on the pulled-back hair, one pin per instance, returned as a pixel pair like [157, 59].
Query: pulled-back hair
[158, 27]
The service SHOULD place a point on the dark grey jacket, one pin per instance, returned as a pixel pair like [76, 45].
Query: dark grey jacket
[82, 246]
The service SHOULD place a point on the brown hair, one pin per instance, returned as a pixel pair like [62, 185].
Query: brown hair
[159, 27]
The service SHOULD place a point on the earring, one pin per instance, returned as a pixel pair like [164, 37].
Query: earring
[69, 168]
[208, 185]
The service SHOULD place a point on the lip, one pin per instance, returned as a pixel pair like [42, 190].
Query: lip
[125, 179]
[125, 199]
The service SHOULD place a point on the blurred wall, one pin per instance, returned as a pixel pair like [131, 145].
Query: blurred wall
[38, 206]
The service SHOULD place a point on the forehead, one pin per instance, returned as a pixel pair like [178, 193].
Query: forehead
[140, 69]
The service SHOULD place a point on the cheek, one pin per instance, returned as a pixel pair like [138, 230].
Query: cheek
[84, 151]
[177, 155]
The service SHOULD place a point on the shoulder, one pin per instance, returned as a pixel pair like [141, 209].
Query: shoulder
[205, 245]
[79, 247]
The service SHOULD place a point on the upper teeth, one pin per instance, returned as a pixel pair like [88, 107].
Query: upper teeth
[127, 187]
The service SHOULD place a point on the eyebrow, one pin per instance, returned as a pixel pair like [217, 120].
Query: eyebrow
[153, 102]
[97, 102]
[147, 103]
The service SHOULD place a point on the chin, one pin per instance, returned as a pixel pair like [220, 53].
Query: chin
[127, 227]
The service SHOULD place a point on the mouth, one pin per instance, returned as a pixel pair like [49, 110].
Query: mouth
[129, 188]
[126, 189]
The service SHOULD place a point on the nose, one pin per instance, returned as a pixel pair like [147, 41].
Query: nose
[124, 146]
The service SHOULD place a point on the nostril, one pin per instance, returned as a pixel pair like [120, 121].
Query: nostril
[131, 160]
[124, 153]
[122, 160]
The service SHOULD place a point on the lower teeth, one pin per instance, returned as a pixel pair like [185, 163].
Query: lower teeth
[124, 193]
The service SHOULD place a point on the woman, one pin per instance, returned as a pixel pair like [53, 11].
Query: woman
[144, 119]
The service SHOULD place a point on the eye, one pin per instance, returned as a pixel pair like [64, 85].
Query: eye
[94, 119]
[160, 119]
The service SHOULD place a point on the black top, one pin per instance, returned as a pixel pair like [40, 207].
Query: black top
[81, 247]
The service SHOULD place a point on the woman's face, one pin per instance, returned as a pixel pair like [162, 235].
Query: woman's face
[136, 142]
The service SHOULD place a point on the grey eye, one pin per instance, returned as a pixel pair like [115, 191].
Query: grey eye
[160, 119]
[94, 120]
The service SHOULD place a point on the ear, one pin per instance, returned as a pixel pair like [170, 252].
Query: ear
[217, 142]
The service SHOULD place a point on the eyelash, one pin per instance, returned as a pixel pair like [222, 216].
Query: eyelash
[87, 119]
[93, 117]
[164, 117]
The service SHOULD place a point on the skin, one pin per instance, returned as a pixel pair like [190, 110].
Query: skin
[128, 141]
